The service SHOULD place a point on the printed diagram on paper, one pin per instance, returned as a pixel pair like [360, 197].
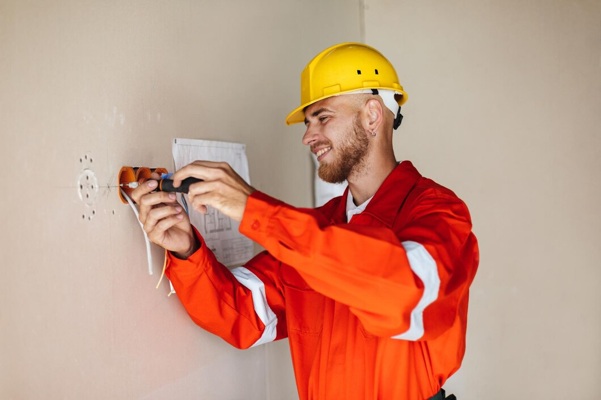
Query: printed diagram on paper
[220, 232]
[216, 222]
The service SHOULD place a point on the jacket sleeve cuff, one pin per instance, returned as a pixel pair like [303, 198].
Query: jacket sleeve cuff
[193, 265]
[259, 209]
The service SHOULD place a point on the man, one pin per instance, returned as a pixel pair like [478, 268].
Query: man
[372, 288]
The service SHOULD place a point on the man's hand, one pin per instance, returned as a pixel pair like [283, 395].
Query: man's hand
[222, 188]
[164, 220]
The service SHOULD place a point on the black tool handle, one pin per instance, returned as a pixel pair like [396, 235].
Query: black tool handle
[166, 185]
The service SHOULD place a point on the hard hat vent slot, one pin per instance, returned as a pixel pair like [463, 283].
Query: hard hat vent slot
[376, 71]
[358, 72]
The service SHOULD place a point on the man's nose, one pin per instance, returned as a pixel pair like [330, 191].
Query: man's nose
[310, 136]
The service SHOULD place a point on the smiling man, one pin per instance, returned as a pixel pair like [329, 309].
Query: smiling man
[371, 289]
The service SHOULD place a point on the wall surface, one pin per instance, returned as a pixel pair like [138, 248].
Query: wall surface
[504, 100]
[504, 108]
[100, 84]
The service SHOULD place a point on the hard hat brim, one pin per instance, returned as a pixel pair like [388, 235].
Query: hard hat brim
[298, 114]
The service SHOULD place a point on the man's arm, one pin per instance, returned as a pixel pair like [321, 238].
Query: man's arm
[243, 305]
[396, 283]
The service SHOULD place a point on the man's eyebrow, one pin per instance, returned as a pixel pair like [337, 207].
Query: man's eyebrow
[317, 112]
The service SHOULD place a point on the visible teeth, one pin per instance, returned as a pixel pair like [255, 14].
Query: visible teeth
[322, 151]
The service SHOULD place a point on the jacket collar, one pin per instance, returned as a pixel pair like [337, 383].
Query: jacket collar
[386, 202]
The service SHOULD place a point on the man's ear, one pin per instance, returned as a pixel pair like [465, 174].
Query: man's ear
[373, 115]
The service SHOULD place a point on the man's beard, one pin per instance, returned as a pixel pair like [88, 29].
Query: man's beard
[350, 156]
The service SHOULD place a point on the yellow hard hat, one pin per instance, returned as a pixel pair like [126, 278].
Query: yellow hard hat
[345, 68]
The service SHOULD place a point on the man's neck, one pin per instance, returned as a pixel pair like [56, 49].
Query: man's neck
[364, 183]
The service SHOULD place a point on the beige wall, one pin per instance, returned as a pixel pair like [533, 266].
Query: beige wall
[504, 109]
[116, 81]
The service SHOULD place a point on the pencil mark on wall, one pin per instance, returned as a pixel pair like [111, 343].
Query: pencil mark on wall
[114, 118]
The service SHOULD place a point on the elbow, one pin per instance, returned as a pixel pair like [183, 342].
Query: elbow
[238, 334]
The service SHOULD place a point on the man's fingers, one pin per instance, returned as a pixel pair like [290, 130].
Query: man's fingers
[159, 230]
[151, 200]
[205, 170]
[143, 189]
[155, 218]
[208, 193]
[229, 200]
[156, 198]
[221, 187]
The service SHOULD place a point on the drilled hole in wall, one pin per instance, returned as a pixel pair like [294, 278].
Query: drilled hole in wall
[87, 187]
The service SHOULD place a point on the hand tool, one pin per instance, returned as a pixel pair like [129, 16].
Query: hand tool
[166, 185]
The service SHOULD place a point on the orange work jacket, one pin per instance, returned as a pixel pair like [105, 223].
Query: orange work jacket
[375, 308]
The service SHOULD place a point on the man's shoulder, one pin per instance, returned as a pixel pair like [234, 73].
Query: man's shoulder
[424, 184]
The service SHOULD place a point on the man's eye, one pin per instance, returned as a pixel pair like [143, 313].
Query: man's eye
[323, 119]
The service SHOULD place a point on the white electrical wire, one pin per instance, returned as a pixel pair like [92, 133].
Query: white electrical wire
[148, 248]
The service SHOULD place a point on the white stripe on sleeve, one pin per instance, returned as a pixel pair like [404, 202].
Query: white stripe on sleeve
[423, 265]
[262, 309]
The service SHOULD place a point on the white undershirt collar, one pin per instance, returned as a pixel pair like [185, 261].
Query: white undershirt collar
[352, 209]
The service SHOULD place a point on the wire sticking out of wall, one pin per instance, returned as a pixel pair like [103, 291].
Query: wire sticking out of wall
[148, 246]
[172, 290]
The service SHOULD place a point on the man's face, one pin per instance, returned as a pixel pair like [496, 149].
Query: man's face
[336, 137]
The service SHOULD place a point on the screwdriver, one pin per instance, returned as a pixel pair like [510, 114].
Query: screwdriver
[166, 185]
